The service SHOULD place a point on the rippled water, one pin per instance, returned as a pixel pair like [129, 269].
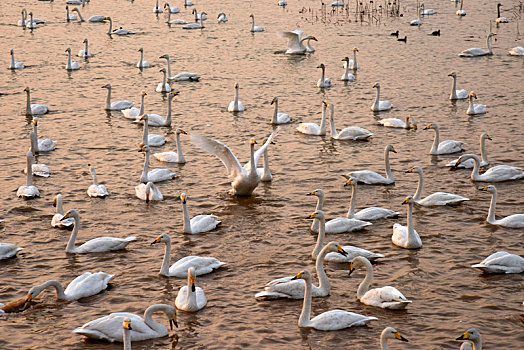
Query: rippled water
[265, 236]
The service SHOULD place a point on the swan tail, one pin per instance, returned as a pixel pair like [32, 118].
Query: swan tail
[130, 239]
[265, 295]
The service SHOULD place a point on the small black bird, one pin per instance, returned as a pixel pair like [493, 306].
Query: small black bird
[394, 34]
[436, 33]
[404, 39]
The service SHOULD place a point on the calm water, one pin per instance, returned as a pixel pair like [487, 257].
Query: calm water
[266, 236]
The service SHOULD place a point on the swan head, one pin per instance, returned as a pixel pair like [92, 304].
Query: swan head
[321, 66]
[11, 51]
[174, 93]
[236, 86]
[163, 70]
[141, 50]
[472, 94]
[180, 131]
[335, 247]
[390, 148]
[431, 126]
[164, 237]
[251, 15]
[253, 142]
[85, 41]
[145, 117]
[144, 148]
[27, 89]
[346, 59]
[70, 214]
[408, 118]
[351, 182]
[68, 50]
[35, 121]
[355, 49]
[107, 19]
[149, 187]
[408, 200]
[274, 100]
[106, 86]
[183, 198]
[144, 93]
[491, 34]
[304, 275]
[377, 85]
[486, 136]
[317, 192]
[30, 13]
[56, 199]
[490, 188]
[166, 56]
[392, 333]
[452, 74]
[319, 214]
[415, 169]
[126, 324]
[357, 261]
[470, 334]
[311, 37]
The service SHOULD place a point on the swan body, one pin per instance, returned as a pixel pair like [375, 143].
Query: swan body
[85, 53]
[119, 31]
[28, 191]
[188, 3]
[222, 18]
[42, 145]
[195, 24]
[512, 221]
[385, 297]
[500, 19]
[133, 112]
[85, 285]
[312, 128]
[148, 192]
[183, 76]
[199, 223]
[282, 2]
[141, 63]
[109, 328]
[379, 106]
[347, 76]
[495, 174]
[15, 64]
[460, 12]
[96, 190]
[472, 336]
[236, 105]
[355, 133]
[501, 262]
[474, 109]
[279, 118]
[70, 17]
[337, 3]
[389, 333]
[71, 65]
[33, 22]
[475, 51]
[437, 198]
[152, 140]
[157, 9]
[406, 236]
[117, 105]
[155, 175]
[163, 86]
[408, 123]
[323, 82]
[190, 298]
[57, 221]
[295, 42]
[444, 147]
[171, 9]
[418, 21]
[170, 21]
[173, 157]
[517, 51]
[456, 94]
[372, 178]
[470, 163]
[97, 245]
[255, 28]
[97, 19]
[368, 214]
[202, 264]
[34, 109]
[8, 250]
[426, 12]
[328, 321]
[290, 288]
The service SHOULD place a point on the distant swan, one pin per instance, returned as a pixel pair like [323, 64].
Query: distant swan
[350, 133]
[222, 18]
[418, 21]
[255, 28]
[8, 250]
[367, 214]
[71, 65]
[117, 105]
[279, 118]
[195, 25]
[397, 123]
[372, 178]
[155, 175]
[42, 145]
[34, 109]
[444, 147]
[499, 18]
[378, 105]
[57, 221]
[85, 52]
[148, 192]
[133, 112]
[426, 12]
[70, 17]
[153, 140]
[312, 128]
[15, 64]
[474, 52]
[474, 109]
[456, 94]
[512, 221]
[28, 191]
[323, 82]
[437, 198]
[347, 76]
[119, 31]
[39, 169]
[295, 42]
[183, 76]
[141, 63]
[517, 51]
[85, 285]
[191, 298]
[236, 105]
[163, 86]
[96, 190]
[198, 223]
[170, 21]
[495, 174]
[460, 12]
[501, 262]
[406, 236]
[470, 163]
[171, 9]
[157, 9]
[173, 157]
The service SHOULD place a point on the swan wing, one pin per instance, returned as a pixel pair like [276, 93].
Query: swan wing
[340, 225]
[375, 213]
[309, 128]
[513, 221]
[338, 319]
[181, 298]
[204, 223]
[220, 150]
[506, 172]
[97, 191]
[354, 133]
[474, 51]
[450, 146]
[441, 198]
[502, 262]
[155, 120]
[104, 244]
[367, 176]
[202, 265]
[293, 40]
[352, 252]
[87, 284]
[39, 109]
[392, 123]
[27, 192]
[131, 113]
[8, 250]
[284, 287]
[157, 175]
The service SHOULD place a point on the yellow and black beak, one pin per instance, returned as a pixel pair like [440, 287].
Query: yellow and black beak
[272, 101]
[65, 216]
[450, 74]
[127, 325]
[157, 240]
[410, 170]
[351, 268]
[29, 298]
[399, 337]
[236, 85]
[253, 141]
[193, 287]
[147, 197]
[406, 201]
[415, 127]
[483, 188]
[489, 137]
[183, 132]
[312, 193]
[356, 49]
[348, 182]
[464, 336]
[393, 150]
[458, 162]
[427, 127]
[312, 216]
[173, 322]
[144, 93]
[183, 198]
[298, 276]
[342, 251]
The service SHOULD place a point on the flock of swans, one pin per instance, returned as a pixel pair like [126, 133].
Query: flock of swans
[126, 327]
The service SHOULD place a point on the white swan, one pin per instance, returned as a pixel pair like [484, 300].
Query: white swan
[117, 105]
[265, 173]
[475, 51]
[295, 42]
[244, 179]
[337, 3]
[183, 76]
[170, 21]
[173, 157]
[119, 31]
[378, 105]
[41, 170]
[133, 112]
[97, 245]
[418, 21]
[472, 336]
[342, 224]
[33, 24]
[158, 120]
[408, 123]
[469, 163]
[195, 25]
[437, 198]
[71, 65]
[163, 86]
[222, 18]
[236, 105]
[96, 18]
[444, 147]
[310, 48]
[57, 221]
[148, 192]
[517, 51]
[96, 190]
[191, 298]
[198, 16]
[473, 108]
[312, 128]
[141, 63]
[23, 22]
[171, 9]
[155, 175]
[385, 297]
[8, 250]
[350, 133]
[157, 9]
[85, 285]
[456, 94]
[501, 262]
[460, 12]
[109, 328]
[315, 225]
[42, 145]
[512, 221]
[188, 3]
[202, 264]
[198, 223]
[351, 251]
[426, 12]
[85, 52]
[389, 333]
[406, 236]
[126, 325]
[34, 109]
[328, 321]
[279, 118]
[15, 64]
[282, 2]
[255, 28]
[287, 287]
[495, 174]
[28, 191]
[70, 17]
[367, 214]
[347, 76]
[500, 19]
[153, 140]
[323, 82]
[372, 178]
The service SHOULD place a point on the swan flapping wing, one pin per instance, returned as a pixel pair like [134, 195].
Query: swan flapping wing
[220, 150]
[293, 39]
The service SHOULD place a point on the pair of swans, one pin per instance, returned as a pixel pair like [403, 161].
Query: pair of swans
[41, 145]
[437, 198]
[155, 175]
[367, 214]
[312, 128]
[141, 63]
[328, 321]
[71, 65]
[191, 298]
[512, 221]
[85, 53]
[163, 86]
[295, 42]
[470, 163]
[406, 236]
[57, 221]
[236, 105]
[456, 94]
[369, 177]
[31, 24]
[244, 179]
[8, 250]
[500, 19]
[474, 108]
[385, 297]
[460, 12]
[323, 82]
[408, 123]
[198, 223]
[279, 118]
[28, 191]
[119, 31]
[354, 133]
[444, 147]
[195, 24]
[170, 156]
[255, 28]
[475, 51]
[41, 170]
[148, 192]
[183, 76]
[117, 105]
[97, 245]
[34, 108]
[378, 105]
[152, 119]
[85, 285]
[501, 262]
[497, 173]
[222, 18]
[96, 190]
[471, 336]
[202, 264]
[15, 64]
[108, 328]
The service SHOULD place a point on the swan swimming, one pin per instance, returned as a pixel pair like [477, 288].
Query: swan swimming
[369, 177]
[96, 190]
[191, 298]
[379, 106]
[500, 19]
[8, 250]
[183, 76]
[70, 17]
[133, 112]
[38, 169]
[57, 221]
[475, 52]
[347, 76]
[119, 31]
[141, 63]
[222, 18]
[171, 9]
[426, 12]
[469, 163]
[155, 175]
[148, 192]
[170, 156]
[34, 109]
[157, 9]
[323, 82]
[461, 13]
[367, 214]
[85, 53]
[170, 21]
[512, 221]
[295, 42]
[71, 65]
[389, 333]
[474, 109]
[312, 128]
[444, 147]
[163, 86]
[236, 105]
[28, 191]
[517, 51]
[158, 120]
[437, 198]
[409, 123]
[279, 118]
[255, 28]
[42, 145]
[195, 25]
[117, 105]
[355, 133]
[15, 64]
[472, 335]
[456, 94]
[198, 223]
[153, 140]
[495, 174]
[418, 21]
[501, 262]
[406, 236]
[85, 285]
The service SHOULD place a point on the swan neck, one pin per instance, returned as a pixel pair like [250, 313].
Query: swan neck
[411, 230]
[29, 171]
[454, 88]
[164, 270]
[148, 317]
[252, 164]
[141, 59]
[191, 301]
[144, 178]
[87, 44]
[355, 66]
[305, 315]
[275, 113]
[164, 80]
[236, 99]
[110, 26]
[471, 106]
[418, 193]
[13, 60]
[366, 283]
[28, 110]
[59, 207]
[476, 167]
[71, 244]
[81, 20]
[252, 23]
[169, 64]
[127, 339]
[179, 148]
[145, 137]
[187, 221]
[489, 44]
[108, 99]
[316, 222]
[58, 288]
[383, 342]
[377, 97]
[492, 205]
[334, 132]
[323, 74]
[320, 238]
[483, 152]
[321, 273]
[168, 117]
[323, 121]
[142, 102]
[95, 179]
[347, 68]
[267, 171]
[351, 211]
[389, 173]
[434, 147]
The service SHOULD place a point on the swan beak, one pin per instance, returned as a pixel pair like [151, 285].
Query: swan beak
[356, 49]
[464, 336]
[458, 162]
[342, 251]
[28, 298]
[399, 336]
[147, 197]
[163, 56]
[312, 193]
[26, 89]
[272, 101]
[351, 268]
[183, 198]
[204, 13]
[107, 18]
[193, 288]
[348, 182]
[312, 216]
[298, 276]
[183, 132]
[253, 141]
[104, 86]
[427, 127]
[65, 216]
[483, 188]
[450, 74]
[489, 137]
[410, 170]
[127, 325]
[376, 85]
[415, 127]
[157, 240]
[236, 85]
[393, 150]
[319, 66]
[173, 322]
[406, 201]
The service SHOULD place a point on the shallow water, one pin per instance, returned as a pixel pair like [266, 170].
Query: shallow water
[266, 236]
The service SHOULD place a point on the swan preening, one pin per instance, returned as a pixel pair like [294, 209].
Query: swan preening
[350, 133]
[279, 118]
[109, 328]
[295, 41]
[330, 320]
[71, 65]
[244, 179]
[474, 109]
[191, 298]
[472, 335]
[148, 192]
[15, 64]
[406, 236]
[378, 105]
[512, 221]
[117, 105]
[141, 63]
[119, 31]
[312, 128]
[28, 191]
[255, 28]
[85, 285]
[385, 297]
[460, 12]
[470, 163]
[57, 221]
[444, 147]
[495, 174]
[96, 190]
[8, 250]
[222, 18]
[41, 145]
[389, 333]
[323, 82]
[347, 76]
[372, 178]
[97, 245]
[155, 175]
[85, 52]
[236, 105]
[163, 86]
[367, 214]
[437, 198]
[517, 51]
[183, 76]
[202, 264]
[475, 51]
[408, 123]
[34, 109]
[170, 156]
[500, 19]
[501, 262]
[199, 223]
[456, 94]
